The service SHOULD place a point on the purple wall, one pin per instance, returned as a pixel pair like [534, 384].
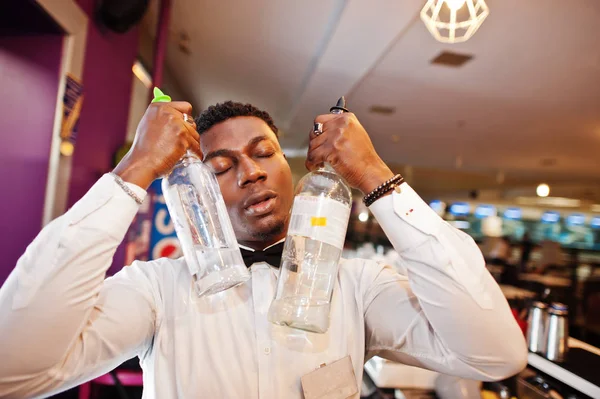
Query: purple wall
[29, 77]
[107, 80]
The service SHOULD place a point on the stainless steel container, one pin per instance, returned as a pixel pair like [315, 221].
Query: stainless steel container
[536, 324]
[556, 334]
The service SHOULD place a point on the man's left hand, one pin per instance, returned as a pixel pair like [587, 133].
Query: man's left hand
[346, 146]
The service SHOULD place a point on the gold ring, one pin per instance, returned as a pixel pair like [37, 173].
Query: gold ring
[188, 119]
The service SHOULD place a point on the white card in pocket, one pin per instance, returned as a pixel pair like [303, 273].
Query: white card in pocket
[331, 381]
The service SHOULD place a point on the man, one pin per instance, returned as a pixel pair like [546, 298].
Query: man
[62, 323]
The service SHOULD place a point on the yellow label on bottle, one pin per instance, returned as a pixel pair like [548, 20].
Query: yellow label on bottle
[318, 221]
[319, 218]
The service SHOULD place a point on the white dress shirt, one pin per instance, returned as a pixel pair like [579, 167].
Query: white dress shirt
[62, 322]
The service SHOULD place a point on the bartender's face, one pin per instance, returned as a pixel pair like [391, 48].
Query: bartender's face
[254, 176]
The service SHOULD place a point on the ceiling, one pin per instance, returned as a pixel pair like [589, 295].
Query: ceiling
[527, 106]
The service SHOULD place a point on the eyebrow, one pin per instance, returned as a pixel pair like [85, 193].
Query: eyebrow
[219, 153]
[230, 153]
[256, 140]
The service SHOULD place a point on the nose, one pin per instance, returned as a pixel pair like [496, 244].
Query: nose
[249, 172]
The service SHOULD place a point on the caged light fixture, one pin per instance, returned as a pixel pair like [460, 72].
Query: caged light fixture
[454, 21]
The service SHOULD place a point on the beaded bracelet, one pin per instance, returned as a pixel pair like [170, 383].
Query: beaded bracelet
[383, 189]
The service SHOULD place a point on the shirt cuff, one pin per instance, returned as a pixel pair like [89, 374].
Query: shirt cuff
[414, 220]
[121, 207]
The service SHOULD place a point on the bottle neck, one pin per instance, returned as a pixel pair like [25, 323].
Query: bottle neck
[189, 157]
[327, 168]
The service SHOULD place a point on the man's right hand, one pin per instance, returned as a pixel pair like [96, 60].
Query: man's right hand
[161, 139]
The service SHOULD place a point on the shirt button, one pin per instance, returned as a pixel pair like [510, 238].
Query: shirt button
[267, 350]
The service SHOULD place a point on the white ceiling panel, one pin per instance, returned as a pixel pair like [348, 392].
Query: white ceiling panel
[255, 51]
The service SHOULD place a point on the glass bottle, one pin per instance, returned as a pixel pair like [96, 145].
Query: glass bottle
[312, 250]
[203, 227]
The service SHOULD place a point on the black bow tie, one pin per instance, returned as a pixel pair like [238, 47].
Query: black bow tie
[271, 255]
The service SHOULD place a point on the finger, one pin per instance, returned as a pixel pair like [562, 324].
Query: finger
[191, 130]
[316, 157]
[316, 141]
[182, 106]
[331, 122]
[326, 118]
[316, 131]
[326, 127]
[194, 146]
[189, 122]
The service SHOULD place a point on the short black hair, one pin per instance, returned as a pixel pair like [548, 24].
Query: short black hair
[229, 109]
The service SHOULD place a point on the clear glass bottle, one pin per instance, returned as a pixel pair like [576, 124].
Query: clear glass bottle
[203, 227]
[312, 250]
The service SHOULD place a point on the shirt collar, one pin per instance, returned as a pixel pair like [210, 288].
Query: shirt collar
[252, 250]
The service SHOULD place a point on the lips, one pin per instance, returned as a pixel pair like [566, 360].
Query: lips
[260, 203]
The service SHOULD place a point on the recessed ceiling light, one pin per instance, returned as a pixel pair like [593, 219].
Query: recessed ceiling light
[363, 216]
[543, 190]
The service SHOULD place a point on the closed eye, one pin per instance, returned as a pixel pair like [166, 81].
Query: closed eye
[220, 166]
[220, 172]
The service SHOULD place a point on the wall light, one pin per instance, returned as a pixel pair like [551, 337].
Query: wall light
[142, 74]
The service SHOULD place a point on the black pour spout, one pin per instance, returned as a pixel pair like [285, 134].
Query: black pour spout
[340, 107]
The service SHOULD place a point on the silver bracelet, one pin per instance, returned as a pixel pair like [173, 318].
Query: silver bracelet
[125, 188]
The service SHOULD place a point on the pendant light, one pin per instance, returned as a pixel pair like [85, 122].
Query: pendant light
[454, 21]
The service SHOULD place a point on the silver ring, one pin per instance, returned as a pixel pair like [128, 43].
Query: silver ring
[318, 128]
[188, 119]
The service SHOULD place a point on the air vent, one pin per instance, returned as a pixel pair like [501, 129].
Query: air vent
[382, 110]
[451, 59]
[548, 162]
